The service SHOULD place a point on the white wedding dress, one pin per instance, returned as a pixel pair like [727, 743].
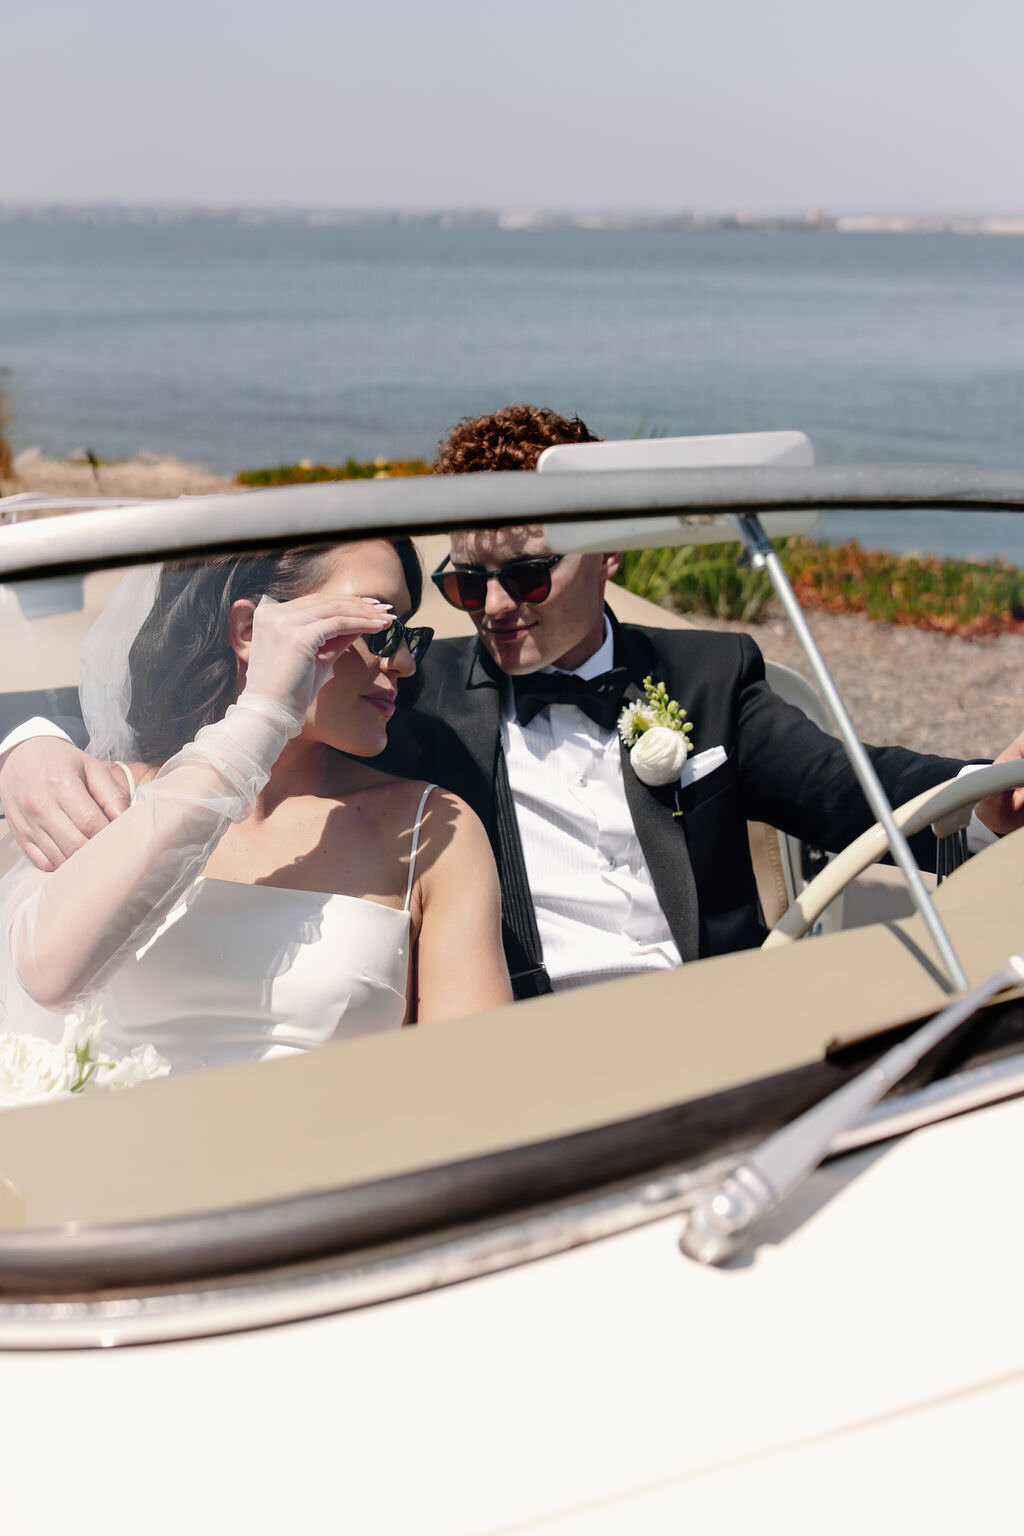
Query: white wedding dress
[238, 972]
[129, 931]
[245, 972]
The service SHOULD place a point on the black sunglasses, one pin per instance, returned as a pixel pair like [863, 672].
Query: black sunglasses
[526, 581]
[386, 641]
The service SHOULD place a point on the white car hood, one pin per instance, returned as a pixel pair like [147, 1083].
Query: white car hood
[619, 1386]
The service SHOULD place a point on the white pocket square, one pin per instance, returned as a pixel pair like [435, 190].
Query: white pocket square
[701, 764]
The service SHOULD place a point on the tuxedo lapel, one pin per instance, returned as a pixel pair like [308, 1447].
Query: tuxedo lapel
[660, 832]
[476, 713]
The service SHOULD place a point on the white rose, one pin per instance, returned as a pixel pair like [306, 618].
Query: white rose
[143, 1064]
[659, 755]
[31, 1069]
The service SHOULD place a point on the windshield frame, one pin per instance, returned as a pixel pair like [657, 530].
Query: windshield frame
[132, 533]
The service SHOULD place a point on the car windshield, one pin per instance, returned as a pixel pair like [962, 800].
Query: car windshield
[271, 992]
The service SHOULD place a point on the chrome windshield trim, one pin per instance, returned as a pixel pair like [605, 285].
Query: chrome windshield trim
[301, 1293]
[970, 1088]
[329, 1286]
[120, 534]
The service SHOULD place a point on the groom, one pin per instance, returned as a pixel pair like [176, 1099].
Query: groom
[601, 874]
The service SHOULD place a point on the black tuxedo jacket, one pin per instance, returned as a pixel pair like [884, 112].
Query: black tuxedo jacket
[780, 768]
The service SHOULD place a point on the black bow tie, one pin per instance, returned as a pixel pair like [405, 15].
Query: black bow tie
[598, 697]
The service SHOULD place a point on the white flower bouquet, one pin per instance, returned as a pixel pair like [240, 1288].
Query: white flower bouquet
[33, 1069]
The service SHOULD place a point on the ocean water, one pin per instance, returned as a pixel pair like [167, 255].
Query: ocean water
[245, 345]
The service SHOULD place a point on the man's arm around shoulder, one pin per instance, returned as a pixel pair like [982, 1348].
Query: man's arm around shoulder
[55, 797]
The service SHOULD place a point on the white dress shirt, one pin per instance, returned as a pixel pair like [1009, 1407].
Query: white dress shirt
[597, 911]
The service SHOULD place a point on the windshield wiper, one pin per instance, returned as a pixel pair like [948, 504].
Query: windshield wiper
[721, 1221]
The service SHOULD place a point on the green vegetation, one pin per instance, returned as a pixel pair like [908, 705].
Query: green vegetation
[698, 579]
[305, 473]
[956, 596]
[953, 596]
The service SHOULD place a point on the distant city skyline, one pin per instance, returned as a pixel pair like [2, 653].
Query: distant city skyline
[1005, 222]
[857, 107]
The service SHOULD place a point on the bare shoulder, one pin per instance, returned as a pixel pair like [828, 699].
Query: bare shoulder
[443, 806]
[440, 799]
[388, 793]
[452, 837]
[437, 803]
[406, 809]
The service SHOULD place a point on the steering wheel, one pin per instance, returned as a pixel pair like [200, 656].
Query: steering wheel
[946, 807]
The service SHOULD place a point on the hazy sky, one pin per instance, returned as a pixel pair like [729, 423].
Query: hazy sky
[850, 105]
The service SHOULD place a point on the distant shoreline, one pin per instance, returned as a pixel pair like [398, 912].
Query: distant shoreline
[517, 219]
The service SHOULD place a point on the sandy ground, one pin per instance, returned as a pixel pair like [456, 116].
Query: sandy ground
[927, 691]
[910, 687]
[150, 474]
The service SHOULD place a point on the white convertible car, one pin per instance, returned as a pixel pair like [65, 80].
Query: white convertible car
[731, 1247]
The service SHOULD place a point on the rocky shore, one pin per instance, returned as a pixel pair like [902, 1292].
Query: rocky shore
[148, 474]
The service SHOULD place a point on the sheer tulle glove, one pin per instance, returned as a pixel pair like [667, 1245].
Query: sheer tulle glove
[295, 645]
[69, 930]
[292, 653]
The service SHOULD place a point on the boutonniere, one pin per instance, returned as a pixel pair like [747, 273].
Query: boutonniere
[657, 733]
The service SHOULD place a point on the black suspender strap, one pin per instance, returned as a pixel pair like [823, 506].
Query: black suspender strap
[519, 921]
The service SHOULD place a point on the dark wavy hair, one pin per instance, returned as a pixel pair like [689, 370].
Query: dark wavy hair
[512, 438]
[183, 669]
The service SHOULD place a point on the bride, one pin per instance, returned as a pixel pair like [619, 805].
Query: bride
[263, 893]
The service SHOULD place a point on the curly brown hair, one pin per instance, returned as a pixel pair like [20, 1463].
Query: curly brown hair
[512, 438]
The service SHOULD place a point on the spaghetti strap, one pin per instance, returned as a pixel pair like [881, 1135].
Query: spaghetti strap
[416, 844]
[132, 789]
